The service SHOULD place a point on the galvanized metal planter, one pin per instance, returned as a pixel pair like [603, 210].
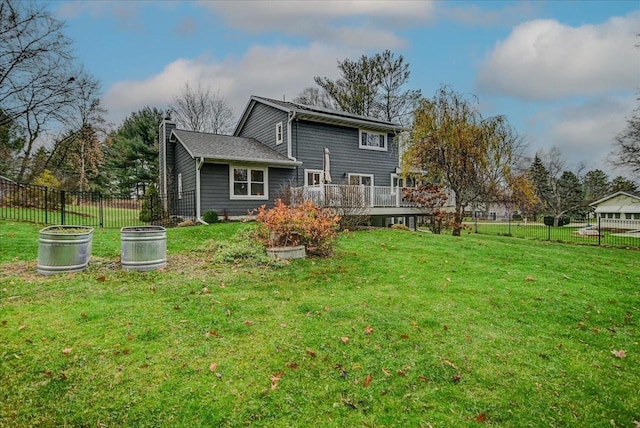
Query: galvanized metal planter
[64, 249]
[297, 252]
[144, 248]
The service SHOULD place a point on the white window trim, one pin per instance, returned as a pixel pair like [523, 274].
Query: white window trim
[180, 186]
[279, 133]
[379, 149]
[360, 175]
[265, 170]
[310, 171]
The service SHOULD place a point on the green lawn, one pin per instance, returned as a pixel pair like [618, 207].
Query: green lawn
[397, 329]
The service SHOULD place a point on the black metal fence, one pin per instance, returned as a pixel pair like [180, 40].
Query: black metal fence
[591, 231]
[37, 204]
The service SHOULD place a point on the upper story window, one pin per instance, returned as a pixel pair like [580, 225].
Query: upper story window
[279, 134]
[373, 140]
[248, 183]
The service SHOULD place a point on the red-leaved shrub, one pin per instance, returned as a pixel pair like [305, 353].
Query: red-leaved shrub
[304, 224]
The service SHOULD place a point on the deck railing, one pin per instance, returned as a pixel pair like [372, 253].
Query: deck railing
[341, 195]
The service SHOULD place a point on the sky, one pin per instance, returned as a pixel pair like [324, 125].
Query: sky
[566, 74]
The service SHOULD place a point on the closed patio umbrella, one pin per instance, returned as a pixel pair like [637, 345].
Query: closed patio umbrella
[327, 166]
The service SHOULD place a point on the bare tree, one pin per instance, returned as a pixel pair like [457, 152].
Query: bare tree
[199, 109]
[627, 149]
[314, 97]
[37, 74]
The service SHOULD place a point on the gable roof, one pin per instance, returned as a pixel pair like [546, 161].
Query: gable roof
[635, 195]
[227, 148]
[320, 114]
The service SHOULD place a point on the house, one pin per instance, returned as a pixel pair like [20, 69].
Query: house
[279, 146]
[620, 210]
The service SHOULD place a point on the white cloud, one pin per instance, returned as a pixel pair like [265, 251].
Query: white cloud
[544, 59]
[360, 24]
[125, 13]
[474, 15]
[585, 133]
[266, 71]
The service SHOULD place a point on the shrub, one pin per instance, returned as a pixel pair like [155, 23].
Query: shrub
[305, 224]
[210, 217]
[399, 227]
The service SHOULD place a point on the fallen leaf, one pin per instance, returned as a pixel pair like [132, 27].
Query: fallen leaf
[619, 354]
[467, 339]
[327, 308]
[404, 336]
[368, 380]
[344, 339]
[144, 366]
[22, 327]
[83, 315]
[283, 325]
[422, 378]
[176, 308]
[311, 353]
[445, 327]
[481, 417]
[386, 372]
[456, 378]
[529, 279]
[211, 333]
[213, 367]
[451, 364]
[248, 322]
[275, 379]
[401, 373]
[101, 278]
[152, 288]
[448, 279]
[368, 330]
[293, 366]
[47, 373]
[67, 351]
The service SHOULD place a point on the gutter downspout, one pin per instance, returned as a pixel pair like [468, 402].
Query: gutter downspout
[289, 150]
[199, 163]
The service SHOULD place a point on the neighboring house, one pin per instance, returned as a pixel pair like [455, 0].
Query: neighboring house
[280, 145]
[619, 210]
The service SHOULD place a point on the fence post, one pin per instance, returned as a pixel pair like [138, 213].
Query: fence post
[62, 206]
[475, 217]
[549, 233]
[599, 232]
[46, 205]
[509, 224]
[101, 209]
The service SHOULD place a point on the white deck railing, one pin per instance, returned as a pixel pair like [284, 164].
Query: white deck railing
[340, 195]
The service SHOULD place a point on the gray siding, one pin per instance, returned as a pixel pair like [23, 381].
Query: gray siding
[261, 125]
[186, 165]
[214, 188]
[346, 156]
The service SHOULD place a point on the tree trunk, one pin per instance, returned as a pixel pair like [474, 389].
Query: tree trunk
[457, 221]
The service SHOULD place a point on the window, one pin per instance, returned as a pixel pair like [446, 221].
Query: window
[361, 179]
[636, 216]
[373, 141]
[279, 135]
[312, 177]
[248, 183]
[616, 215]
[180, 186]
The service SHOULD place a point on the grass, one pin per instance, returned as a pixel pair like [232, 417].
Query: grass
[397, 329]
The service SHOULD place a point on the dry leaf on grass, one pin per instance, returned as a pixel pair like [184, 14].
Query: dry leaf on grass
[619, 354]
